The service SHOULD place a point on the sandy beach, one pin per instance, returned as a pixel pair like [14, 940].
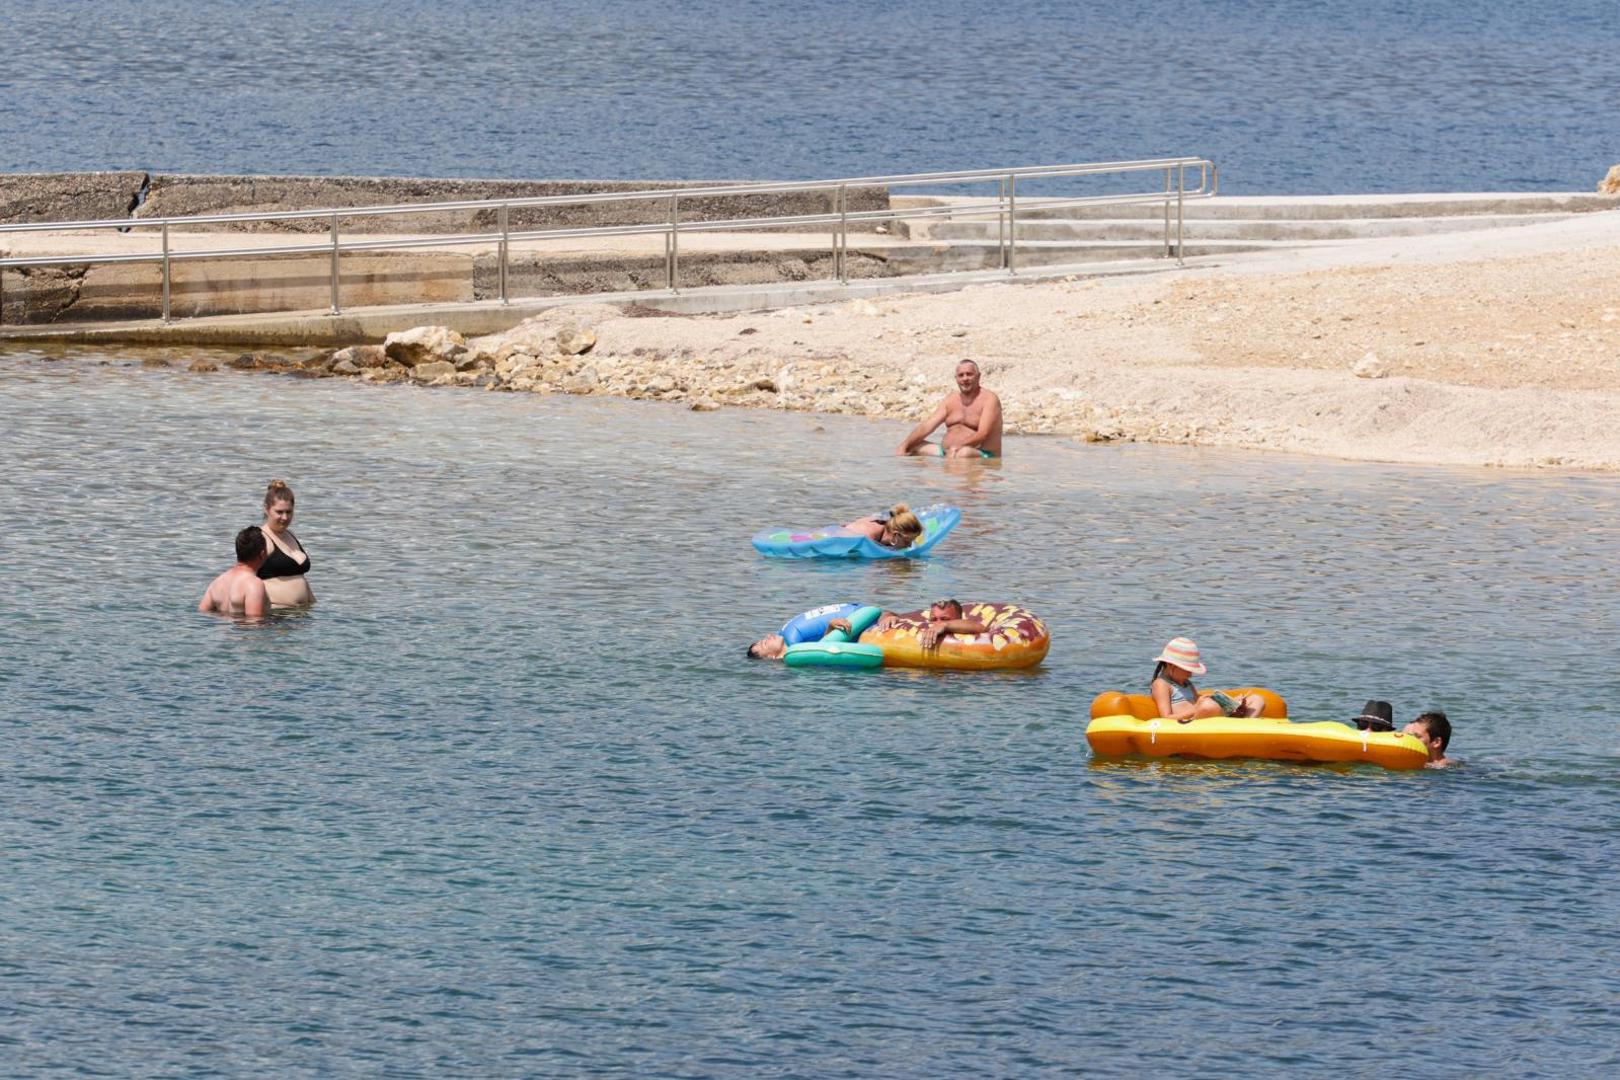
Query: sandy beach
[1498, 349]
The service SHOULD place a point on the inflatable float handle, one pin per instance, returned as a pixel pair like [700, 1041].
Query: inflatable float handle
[860, 621]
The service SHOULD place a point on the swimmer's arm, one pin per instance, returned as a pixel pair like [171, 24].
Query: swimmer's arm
[989, 422]
[257, 600]
[936, 630]
[207, 603]
[920, 433]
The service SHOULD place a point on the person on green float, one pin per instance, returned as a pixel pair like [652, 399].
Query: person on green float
[944, 617]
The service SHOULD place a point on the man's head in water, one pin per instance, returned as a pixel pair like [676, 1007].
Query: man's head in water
[944, 610]
[250, 546]
[967, 378]
[769, 647]
[1434, 730]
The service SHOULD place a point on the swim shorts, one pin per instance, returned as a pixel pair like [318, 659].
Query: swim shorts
[983, 453]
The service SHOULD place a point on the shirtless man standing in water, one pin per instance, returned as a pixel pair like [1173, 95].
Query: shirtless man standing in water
[972, 419]
[238, 591]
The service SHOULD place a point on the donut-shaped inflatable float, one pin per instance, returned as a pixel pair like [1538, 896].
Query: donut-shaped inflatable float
[1014, 638]
[837, 542]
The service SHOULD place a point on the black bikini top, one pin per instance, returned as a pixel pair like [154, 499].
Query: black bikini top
[280, 564]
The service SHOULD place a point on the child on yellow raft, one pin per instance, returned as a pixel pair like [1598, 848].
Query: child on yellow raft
[1177, 698]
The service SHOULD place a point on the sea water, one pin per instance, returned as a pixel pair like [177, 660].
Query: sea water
[1288, 96]
[510, 801]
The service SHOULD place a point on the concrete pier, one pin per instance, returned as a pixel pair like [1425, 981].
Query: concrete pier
[286, 300]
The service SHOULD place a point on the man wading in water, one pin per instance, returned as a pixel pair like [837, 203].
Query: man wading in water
[238, 591]
[972, 419]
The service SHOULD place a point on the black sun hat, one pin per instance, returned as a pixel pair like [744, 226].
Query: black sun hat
[1376, 716]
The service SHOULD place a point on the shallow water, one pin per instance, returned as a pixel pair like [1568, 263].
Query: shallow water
[1288, 96]
[508, 800]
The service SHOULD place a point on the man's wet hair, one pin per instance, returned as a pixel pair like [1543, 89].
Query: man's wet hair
[249, 544]
[954, 605]
[1439, 727]
[966, 360]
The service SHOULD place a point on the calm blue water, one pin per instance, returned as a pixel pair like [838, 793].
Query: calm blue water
[508, 801]
[1288, 96]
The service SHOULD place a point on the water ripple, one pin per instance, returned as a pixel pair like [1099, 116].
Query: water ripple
[507, 801]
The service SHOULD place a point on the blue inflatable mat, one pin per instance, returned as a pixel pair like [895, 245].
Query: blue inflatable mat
[837, 542]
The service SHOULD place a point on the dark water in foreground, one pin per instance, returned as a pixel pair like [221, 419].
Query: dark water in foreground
[508, 801]
[1288, 96]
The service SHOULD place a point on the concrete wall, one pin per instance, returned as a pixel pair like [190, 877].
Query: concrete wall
[303, 282]
[122, 291]
[222, 287]
[26, 197]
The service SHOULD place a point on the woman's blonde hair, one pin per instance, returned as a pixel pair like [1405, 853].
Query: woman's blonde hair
[277, 491]
[904, 525]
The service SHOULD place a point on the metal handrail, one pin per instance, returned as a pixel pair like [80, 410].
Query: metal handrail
[1005, 208]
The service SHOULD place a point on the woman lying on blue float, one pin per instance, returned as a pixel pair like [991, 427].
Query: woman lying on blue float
[894, 533]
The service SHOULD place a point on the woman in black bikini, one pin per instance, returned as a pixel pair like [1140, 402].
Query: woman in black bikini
[284, 569]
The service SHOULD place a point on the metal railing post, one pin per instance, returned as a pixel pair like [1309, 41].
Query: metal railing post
[841, 240]
[1001, 224]
[1181, 196]
[1012, 223]
[165, 272]
[1167, 213]
[335, 308]
[506, 238]
[674, 243]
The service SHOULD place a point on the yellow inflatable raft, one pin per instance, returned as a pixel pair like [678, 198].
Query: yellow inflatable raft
[1114, 703]
[1116, 732]
[1014, 638]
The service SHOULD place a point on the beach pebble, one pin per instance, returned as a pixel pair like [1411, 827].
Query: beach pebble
[204, 365]
[575, 341]
[1369, 367]
[423, 345]
[432, 370]
[704, 405]
[513, 364]
[583, 381]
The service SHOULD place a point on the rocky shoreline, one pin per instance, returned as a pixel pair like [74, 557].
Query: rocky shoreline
[555, 353]
[1453, 354]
